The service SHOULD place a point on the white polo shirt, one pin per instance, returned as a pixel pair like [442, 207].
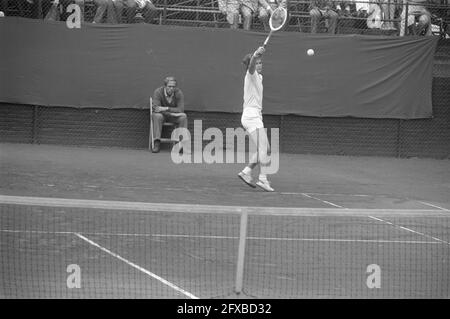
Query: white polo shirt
[253, 94]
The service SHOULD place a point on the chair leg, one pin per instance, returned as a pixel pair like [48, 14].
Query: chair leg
[151, 141]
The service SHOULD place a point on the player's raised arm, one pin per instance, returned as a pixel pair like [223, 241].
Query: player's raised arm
[258, 54]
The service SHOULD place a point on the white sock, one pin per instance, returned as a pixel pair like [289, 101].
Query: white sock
[263, 177]
[247, 170]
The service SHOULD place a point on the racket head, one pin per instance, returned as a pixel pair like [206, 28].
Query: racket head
[278, 19]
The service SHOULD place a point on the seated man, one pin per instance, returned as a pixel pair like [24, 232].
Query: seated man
[362, 13]
[323, 9]
[168, 106]
[388, 13]
[148, 9]
[233, 9]
[230, 8]
[417, 9]
[250, 8]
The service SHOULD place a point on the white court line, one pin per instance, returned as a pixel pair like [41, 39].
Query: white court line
[326, 194]
[167, 283]
[435, 206]
[225, 237]
[353, 195]
[323, 201]
[410, 230]
[379, 219]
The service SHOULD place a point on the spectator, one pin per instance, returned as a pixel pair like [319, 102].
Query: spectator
[323, 9]
[374, 18]
[266, 9]
[112, 8]
[168, 106]
[415, 11]
[147, 8]
[58, 9]
[231, 9]
[388, 12]
[249, 8]
[345, 10]
[362, 13]
[234, 8]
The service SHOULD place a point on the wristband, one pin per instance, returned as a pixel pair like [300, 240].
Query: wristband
[268, 8]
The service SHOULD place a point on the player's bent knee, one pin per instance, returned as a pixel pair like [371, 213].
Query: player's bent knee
[158, 116]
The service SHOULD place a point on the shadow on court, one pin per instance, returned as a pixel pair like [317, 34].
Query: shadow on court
[136, 254]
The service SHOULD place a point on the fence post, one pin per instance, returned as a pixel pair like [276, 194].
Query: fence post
[164, 12]
[241, 253]
[406, 19]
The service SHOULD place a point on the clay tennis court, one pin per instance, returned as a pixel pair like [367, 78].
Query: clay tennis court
[138, 227]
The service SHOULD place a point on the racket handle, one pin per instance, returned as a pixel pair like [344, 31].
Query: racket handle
[267, 39]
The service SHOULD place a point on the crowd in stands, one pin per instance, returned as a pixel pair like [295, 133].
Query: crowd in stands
[106, 11]
[400, 16]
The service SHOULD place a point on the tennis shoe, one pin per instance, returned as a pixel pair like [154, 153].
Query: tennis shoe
[264, 184]
[247, 179]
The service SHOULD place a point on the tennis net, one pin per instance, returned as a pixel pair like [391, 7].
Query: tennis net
[54, 248]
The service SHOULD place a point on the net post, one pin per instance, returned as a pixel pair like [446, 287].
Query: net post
[241, 253]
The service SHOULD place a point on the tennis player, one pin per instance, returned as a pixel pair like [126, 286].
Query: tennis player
[252, 120]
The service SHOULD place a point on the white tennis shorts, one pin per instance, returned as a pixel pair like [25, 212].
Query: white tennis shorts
[251, 119]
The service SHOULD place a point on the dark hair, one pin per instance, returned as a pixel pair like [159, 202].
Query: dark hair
[246, 60]
[169, 78]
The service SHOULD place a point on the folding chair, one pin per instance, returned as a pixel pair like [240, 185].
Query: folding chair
[151, 140]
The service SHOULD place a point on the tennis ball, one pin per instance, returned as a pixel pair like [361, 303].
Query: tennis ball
[310, 52]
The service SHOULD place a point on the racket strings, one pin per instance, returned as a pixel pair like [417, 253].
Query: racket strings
[278, 18]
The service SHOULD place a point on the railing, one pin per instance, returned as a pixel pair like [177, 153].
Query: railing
[368, 17]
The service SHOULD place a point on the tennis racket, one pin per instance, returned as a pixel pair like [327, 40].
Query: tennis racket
[276, 22]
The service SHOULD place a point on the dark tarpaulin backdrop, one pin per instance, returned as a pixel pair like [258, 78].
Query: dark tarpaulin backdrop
[119, 66]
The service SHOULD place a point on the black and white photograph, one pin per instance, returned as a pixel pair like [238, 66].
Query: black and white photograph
[224, 155]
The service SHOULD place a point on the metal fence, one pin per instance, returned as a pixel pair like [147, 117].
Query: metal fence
[425, 17]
